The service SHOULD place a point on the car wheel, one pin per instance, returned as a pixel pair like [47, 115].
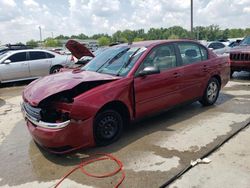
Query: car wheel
[211, 93]
[55, 69]
[108, 126]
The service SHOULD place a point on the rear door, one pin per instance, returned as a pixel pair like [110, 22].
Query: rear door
[18, 68]
[39, 63]
[195, 67]
[158, 91]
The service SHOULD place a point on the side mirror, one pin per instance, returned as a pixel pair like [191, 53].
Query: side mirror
[7, 61]
[149, 70]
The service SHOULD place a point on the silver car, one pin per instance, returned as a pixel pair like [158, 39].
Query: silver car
[30, 64]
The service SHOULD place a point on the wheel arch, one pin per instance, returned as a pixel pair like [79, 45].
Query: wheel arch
[217, 77]
[53, 66]
[118, 106]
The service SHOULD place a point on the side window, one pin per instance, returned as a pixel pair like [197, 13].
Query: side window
[49, 55]
[37, 55]
[191, 53]
[162, 57]
[18, 57]
[216, 45]
[204, 53]
[212, 45]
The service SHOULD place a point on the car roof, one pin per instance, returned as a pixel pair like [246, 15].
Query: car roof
[29, 50]
[151, 43]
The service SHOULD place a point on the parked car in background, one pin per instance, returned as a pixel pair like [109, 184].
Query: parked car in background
[9, 47]
[234, 43]
[226, 42]
[87, 107]
[29, 64]
[219, 48]
[240, 56]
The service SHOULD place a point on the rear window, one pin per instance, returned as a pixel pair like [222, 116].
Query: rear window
[37, 55]
[50, 55]
[192, 53]
[216, 45]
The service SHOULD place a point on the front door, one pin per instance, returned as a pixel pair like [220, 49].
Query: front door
[16, 68]
[158, 91]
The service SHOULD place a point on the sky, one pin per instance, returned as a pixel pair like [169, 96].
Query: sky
[20, 19]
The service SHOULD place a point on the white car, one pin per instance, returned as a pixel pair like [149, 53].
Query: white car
[30, 64]
[218, 48]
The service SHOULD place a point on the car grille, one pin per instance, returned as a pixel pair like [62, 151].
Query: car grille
[240, 56]
[32, 111]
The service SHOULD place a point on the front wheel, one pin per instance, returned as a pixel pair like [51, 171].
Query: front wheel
[211, 93]
[108, 126]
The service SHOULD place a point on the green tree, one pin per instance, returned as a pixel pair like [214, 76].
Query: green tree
[32, 43]
[50, 42]
[178, 31]
[103, 41]
[173, 36]
[137, 39]
[82, 36]
[129, 35]
[62, 37]
[247, 31]
[154, 34]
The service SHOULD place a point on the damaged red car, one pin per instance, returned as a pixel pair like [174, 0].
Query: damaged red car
[91, 106]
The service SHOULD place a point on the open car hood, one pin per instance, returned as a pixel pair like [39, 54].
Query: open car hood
[47, 86]
[78, 50]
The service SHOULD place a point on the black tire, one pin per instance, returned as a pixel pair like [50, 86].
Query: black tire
[211, 92]
[108, 126]
[55, 69]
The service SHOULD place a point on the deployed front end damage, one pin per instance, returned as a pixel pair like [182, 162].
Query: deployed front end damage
[54, 113]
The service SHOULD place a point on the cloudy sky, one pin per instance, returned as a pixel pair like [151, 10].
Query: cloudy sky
[20, 19]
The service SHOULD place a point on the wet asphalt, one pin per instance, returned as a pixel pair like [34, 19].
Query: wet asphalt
[152, 150]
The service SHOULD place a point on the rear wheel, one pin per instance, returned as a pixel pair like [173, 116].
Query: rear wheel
[108, 126]
[55, 69]
[211, 93]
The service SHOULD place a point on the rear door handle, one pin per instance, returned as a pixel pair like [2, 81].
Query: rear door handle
[177, 75]
[205, 69]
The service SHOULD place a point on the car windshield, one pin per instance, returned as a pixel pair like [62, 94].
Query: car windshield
[115, 61]
[245, 42]
[99, 51]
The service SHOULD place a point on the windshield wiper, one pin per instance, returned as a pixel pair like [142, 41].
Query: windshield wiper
[127, 63]
[112, 59]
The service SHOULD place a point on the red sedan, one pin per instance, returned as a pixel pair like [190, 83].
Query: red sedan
[88, 107]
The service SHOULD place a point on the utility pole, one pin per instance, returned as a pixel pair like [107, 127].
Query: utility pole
[52, 34]
[192, 19]
[40, 31]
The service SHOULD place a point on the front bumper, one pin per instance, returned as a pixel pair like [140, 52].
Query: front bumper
[240, 65]
[70, 136]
